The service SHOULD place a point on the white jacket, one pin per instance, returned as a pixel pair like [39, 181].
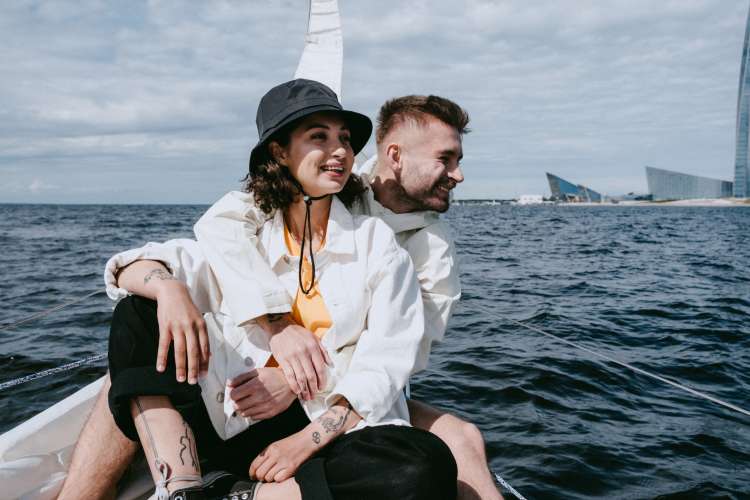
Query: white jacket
[227, 234]
[370, 289]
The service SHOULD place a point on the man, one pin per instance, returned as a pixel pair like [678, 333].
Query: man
[419, 150]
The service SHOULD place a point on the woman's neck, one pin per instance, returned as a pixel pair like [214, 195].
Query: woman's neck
[294, 217]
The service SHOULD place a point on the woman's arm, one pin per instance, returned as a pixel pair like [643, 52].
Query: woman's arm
[227, 235]
[280, 460]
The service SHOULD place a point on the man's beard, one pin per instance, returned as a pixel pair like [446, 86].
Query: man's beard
[433, 199]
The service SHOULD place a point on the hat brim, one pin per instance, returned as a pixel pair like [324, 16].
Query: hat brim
[360, 128]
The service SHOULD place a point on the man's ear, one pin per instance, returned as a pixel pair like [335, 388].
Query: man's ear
[393, 157]
[278, 153]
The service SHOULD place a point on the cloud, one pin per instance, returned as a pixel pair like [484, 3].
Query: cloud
[164, 92]
[38, 185]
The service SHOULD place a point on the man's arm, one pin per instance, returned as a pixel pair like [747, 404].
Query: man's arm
[433, 253]
[385, 352]
[176, 275]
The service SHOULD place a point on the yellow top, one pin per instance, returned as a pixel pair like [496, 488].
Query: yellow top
[307, 310]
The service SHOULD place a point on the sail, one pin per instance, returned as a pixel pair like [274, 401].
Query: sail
[323, 56]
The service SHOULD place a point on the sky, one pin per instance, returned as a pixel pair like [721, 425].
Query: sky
[154, 101]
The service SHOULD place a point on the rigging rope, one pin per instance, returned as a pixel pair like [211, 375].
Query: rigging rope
[624, 364]
[505, 484]
[52, 371]
[41, 314]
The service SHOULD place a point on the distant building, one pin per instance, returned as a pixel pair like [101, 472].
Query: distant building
[563, 190]
[669, 185]
[741, 167]
[530, 199]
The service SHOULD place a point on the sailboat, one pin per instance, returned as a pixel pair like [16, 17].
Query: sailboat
[35, 455]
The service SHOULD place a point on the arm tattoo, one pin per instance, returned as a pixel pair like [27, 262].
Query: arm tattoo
[188, 445]
[331, 424]
[158, 273]
[316, 437]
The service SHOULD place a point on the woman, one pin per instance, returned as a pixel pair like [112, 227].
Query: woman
[354, 287]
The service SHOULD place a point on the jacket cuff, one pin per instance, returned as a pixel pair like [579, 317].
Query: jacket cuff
[272, 303]
[362, 396]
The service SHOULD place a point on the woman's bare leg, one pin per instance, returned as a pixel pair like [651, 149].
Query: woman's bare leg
[279, 491]
[168, 442]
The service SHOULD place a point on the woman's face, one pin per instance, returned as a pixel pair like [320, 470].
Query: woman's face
[319, 154]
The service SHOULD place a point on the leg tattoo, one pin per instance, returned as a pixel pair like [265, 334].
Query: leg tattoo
[188, 445]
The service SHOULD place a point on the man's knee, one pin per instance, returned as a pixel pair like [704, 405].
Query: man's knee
[470, 435]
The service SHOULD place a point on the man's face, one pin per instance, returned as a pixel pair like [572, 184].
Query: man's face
[430, 156]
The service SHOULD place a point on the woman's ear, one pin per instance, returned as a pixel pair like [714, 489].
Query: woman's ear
[277, 152]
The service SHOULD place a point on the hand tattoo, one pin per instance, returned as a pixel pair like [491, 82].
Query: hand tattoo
[158, 273]
[316, 437]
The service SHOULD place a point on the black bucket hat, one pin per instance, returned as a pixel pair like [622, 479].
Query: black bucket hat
[296, 99]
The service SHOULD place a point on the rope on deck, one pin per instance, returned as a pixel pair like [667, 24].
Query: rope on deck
[505, 484]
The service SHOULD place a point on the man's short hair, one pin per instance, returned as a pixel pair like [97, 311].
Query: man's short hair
[417, 107]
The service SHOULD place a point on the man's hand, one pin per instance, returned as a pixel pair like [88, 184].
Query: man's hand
[179, 319]
[261, 394]
[280, 460]
[181, 322]
[299, 353]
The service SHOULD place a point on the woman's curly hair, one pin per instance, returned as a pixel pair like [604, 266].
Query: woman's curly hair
[273, 186]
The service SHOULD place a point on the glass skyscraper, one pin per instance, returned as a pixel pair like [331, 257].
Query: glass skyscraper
[669, 185]
[563, 190]
[741, 167]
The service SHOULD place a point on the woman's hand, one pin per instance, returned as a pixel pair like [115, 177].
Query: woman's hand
[280, 460]
[299, 353]
[261, 394]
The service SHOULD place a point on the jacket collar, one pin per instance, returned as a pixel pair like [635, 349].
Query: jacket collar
[339, 233]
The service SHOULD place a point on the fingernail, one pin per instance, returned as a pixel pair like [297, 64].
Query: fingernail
[160, 368]
[193, 381]
[180, 378]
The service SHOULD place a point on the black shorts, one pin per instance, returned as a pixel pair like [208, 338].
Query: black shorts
[373, 463]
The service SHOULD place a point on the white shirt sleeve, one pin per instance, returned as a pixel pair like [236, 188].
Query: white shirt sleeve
[434, 257]
[184, 260]
[385, 353]
[227, 235]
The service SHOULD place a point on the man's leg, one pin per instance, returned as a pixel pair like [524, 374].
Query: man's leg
[101, 455]
[465, 442]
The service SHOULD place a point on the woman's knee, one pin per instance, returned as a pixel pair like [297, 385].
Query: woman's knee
[133, 333]
[431, 471]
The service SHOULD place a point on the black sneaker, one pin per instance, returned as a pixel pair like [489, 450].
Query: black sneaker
[222, 485]
[191, 493]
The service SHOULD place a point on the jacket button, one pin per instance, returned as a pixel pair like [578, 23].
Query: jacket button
[249, 361]
[220, 397]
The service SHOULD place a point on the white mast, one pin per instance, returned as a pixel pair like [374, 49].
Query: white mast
[323, 56]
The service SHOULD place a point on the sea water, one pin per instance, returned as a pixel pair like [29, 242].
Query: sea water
[664, 288]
